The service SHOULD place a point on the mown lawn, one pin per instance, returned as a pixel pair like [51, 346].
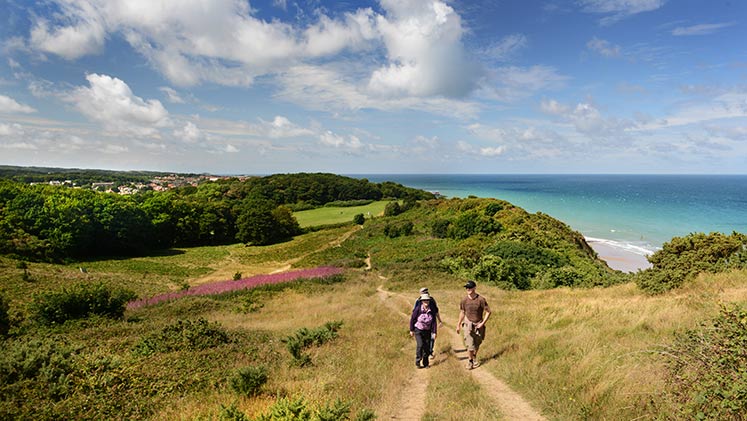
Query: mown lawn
[336, 215]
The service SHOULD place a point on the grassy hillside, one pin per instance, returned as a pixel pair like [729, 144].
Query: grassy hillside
[574, 353]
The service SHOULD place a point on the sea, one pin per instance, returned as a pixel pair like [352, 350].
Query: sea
[633, 213]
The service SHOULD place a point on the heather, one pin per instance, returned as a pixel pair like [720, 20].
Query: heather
[236, 285]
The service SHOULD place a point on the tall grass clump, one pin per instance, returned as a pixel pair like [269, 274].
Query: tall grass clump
[80, 301]
[707, 374]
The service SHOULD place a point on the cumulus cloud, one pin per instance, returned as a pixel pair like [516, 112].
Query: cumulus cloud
[82, 32]
[701, 29]
[618, 9]
[553, 107]
[424, 50]
[10, 105]
[603, 47]
[330, 36]
[190, 133]
[109, 101]
[281, 127]
[172, 95]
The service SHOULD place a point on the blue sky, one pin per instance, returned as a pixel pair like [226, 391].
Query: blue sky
[390, 86]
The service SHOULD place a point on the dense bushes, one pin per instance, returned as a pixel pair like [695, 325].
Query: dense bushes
[682, 258]
[707, 374]
[183, 335]
[80, 301]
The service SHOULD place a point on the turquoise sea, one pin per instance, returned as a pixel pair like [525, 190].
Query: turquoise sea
[637, 213]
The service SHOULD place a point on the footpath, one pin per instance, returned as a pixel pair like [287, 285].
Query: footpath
[512, 405]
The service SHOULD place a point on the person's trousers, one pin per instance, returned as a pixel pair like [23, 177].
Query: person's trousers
[423, 349]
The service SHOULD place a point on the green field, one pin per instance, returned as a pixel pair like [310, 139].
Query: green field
[336, 215]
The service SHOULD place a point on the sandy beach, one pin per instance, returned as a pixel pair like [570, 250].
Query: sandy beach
[618, 258]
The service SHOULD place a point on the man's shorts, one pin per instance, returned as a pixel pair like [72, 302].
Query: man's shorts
[473, 337]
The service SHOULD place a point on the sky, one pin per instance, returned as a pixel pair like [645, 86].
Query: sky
[375, 87]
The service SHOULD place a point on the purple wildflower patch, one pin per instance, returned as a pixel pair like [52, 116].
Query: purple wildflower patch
[244, 283]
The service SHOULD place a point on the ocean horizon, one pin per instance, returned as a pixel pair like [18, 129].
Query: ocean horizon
[633, 213]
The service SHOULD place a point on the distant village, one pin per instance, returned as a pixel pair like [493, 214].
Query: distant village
[158, 183]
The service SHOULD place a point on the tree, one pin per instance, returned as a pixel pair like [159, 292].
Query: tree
[260, 222]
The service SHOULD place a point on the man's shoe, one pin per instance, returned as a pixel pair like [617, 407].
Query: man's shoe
[470, 365]
[475, 364]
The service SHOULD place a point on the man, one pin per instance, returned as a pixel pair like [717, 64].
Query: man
[473, 314]
[434, 308]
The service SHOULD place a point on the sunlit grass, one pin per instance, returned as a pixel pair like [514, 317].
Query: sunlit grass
[337, 215]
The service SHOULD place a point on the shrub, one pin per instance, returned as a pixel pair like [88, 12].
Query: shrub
[392, 209]
[304, 338]
[493, 208]
[248, 381]
[237, 276]
[287, 409]
[359, 219]
[682, 258]
[4, 317]
[42, 361]
[470, 223]
[440, 228]
[231, 413]
[80, 301]
[183, 335]
[399, 229]
[707, 368]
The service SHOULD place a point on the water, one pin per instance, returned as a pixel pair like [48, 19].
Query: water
[637, 213]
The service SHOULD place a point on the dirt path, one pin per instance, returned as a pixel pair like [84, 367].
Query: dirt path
[511, 404]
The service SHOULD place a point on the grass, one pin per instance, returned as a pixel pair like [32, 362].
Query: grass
[336, 215]
[575, 354]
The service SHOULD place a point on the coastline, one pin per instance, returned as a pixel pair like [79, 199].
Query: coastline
[619, 258]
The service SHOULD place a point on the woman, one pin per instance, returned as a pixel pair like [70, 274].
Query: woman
[422, 326]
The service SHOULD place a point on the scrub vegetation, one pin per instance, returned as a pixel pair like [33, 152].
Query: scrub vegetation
[575, 338]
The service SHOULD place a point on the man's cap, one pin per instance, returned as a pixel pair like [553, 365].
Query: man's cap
[470, 284]
[425, 297]
[424, 290]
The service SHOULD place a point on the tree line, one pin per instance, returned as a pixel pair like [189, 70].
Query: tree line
[54, 223]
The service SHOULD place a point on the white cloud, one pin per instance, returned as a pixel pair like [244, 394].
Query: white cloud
[110, 101]
[10, 129]
[281, 127]
[506, 47]
[492, 151]
[553, 107]
[83, 34]
[351, 145]
[603, 47]
[619, 9]
[190, 133]
[172, 95]
[425, 51]
[9, 105]
[330, 36]
[701, 29]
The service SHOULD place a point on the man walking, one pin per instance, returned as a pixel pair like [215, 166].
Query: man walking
[474, 312]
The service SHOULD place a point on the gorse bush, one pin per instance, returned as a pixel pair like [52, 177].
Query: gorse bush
[707, 375]
[683, 258]
[398, 229]
[304, 338]
[43, 361]
[80, 301]
[248, 381]
[183, 335]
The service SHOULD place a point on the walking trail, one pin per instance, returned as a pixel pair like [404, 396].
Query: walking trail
[512, 405]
